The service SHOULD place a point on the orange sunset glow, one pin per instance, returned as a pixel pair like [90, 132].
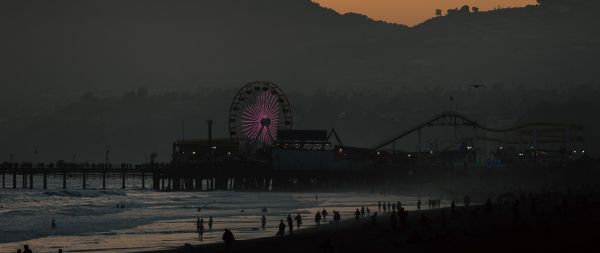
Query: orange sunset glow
[412, 12]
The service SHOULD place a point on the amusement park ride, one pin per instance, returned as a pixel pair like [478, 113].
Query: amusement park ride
[261, 131]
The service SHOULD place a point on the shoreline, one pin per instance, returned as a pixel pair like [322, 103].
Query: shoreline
[547, 227]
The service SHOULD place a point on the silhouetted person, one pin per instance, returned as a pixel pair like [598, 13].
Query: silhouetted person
[374, 218]
[393, 220]
[53, 224]
[281, 231]
[379, 206]
[228, 238]
[59, 250]
[444, 221]
[318, 218]
[26, 249]
[290, 224]
[201, 229]
[298, 219]
[389, 206]
[394, 207]
[533, 202]
[210, 224]
[263, 222]
[368, 211]
[324, 214]
[362, 211]
[398, 205]
[357, 215]
[384, 208]
[419, 205]
[488, 206]
[516, 210]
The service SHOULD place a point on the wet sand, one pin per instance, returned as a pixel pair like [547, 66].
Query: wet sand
[552, 228]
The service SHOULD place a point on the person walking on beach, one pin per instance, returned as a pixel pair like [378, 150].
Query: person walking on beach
[362, 211]
[228, 238]
[398, 205]
[419, 205]
[357, 215]
[368, 211]
[298, 219]
[379, 206]
[281, 231]
[290, 224]
[318, 218]
[263, 222]
[53, 224]
[201, 229]
[210, 223]
[324, 214]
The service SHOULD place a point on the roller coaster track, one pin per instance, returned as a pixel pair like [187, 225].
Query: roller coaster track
[451, 118]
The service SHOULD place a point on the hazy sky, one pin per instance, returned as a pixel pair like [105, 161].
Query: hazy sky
[411, 12]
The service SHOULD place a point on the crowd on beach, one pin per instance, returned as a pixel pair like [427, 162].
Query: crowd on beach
[426, 225]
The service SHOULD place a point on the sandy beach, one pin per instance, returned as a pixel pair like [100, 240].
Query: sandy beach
[555, 223]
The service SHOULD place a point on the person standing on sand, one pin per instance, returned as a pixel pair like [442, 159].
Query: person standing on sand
[201, 229]
[318, 218]
[197, 225]
[53, 224]
[210, 224]
[281, 231]
[324, 214]
[357, 215]
[26, 249]
[290, 224]
[419, 205]
[263, 222]
[228, 238]
[298, 219]
[368, 211]
[362, 211]
[379, 206]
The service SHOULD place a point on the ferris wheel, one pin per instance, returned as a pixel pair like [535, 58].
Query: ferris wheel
[257, 112]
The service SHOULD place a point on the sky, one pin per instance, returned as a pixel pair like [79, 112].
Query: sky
[412, 12]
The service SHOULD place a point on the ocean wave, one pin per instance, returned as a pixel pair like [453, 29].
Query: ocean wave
[85, 193]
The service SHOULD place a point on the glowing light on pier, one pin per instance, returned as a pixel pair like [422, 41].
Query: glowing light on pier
[261, 119]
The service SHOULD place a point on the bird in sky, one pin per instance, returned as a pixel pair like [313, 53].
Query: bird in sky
[477, 86]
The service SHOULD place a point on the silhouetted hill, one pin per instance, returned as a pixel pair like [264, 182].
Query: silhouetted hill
[74, 46]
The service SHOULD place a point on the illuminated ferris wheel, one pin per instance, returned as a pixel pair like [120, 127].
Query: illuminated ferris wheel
[257, 111]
